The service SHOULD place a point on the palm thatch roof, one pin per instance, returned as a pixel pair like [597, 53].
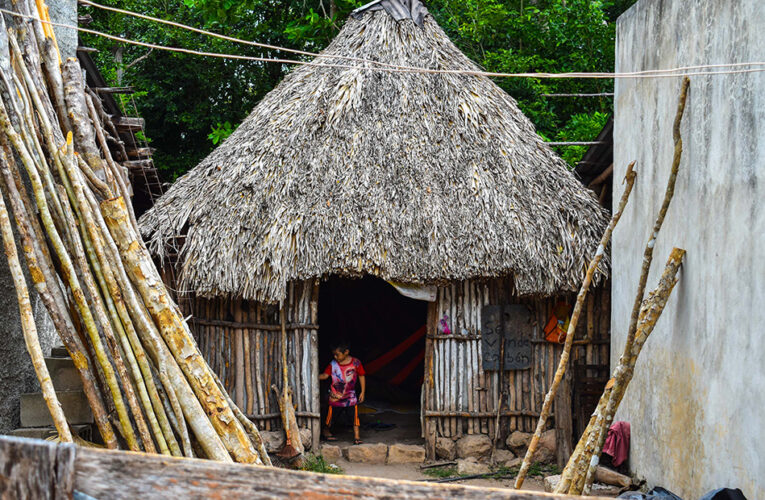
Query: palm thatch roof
[419, 178]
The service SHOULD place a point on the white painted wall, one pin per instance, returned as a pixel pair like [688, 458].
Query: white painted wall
[697, 402]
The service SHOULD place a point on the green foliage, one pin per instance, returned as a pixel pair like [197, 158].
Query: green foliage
[141, 136]
[581, 125]
[220, 132]
[536, 469]
[546, 36]
[316, 463]
[187, 100]
[441, 472]
[316, 30]
[184, 97]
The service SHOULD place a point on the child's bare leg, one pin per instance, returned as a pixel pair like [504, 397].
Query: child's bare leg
[356, 434]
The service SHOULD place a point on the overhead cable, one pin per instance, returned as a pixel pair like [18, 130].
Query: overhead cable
[350, 58]
[667, 73]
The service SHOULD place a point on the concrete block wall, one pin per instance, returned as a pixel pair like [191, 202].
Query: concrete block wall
[696, 402]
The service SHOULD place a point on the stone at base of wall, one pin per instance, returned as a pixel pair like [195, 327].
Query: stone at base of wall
[446, 448]
[551, 482]
[518, 442]
[503, 456]
[367, 453]
[331, 453]
[406, 454]
[305, 438]
[476, 445]
[471, 466]
[274, 440]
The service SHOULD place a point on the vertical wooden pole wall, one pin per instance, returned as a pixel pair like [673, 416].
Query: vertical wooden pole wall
[461, 397]
[315, 423]
[240, 341]
[429, 389]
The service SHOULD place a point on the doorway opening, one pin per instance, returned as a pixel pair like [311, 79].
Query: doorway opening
[386, 332]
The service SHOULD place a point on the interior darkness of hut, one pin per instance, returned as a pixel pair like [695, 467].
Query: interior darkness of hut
[386, 332]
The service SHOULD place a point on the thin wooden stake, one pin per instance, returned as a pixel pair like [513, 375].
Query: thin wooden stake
[629, 179]
[574, 476]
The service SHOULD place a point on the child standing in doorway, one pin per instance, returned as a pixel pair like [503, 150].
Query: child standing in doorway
[345, 371]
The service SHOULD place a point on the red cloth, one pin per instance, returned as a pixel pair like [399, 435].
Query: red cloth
[618, 442]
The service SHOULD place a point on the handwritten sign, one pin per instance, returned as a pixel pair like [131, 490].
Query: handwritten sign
[513, 324]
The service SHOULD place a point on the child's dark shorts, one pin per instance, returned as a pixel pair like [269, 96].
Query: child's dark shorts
[343, 413]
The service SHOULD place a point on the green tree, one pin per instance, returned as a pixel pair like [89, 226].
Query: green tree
[188, 100]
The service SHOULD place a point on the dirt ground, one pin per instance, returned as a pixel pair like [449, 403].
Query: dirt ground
[412, 472]
[405, 428]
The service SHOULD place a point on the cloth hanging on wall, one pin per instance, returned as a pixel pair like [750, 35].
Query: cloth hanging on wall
[618, 442]
[557, 326]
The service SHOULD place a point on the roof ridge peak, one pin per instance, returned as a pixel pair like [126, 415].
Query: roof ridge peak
[397, 9]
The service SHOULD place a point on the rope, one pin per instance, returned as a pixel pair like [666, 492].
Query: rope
[225, 37]
[315, 54]
[666, 73]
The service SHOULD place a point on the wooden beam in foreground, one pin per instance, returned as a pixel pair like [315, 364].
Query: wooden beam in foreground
[41, 469]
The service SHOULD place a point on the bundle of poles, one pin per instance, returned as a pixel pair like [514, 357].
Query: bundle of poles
[146, 382]
[578, 475]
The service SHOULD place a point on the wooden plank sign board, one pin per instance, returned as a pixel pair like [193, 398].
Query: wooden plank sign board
[512, 323]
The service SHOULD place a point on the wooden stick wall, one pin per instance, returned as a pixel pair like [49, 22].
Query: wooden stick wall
[464, 398]
[241, 341]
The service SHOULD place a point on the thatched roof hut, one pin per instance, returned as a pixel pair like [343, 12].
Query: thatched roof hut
[419, 178]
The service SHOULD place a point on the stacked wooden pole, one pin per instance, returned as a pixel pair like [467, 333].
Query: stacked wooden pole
[147, 383]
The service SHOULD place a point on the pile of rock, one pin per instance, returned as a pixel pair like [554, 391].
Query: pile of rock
[473, 453]
[477, 449]
[518, 442]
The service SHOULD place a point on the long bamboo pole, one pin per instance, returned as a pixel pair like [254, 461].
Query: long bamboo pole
[107, 329]
[149, 336]
[69, 273]
[629, 180]
[650, 311]
[252, 429]
[69, 270]
[105, 279]
[99, 295]
[668, 194]
[131, 344]
[42, 276]
[29, 328]
[173, 329]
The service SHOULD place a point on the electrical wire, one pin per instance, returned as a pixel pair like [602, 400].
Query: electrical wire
[668, 73]
[350, 58]
[226, 37]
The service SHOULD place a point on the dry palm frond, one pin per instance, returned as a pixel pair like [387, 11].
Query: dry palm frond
[417, 178]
